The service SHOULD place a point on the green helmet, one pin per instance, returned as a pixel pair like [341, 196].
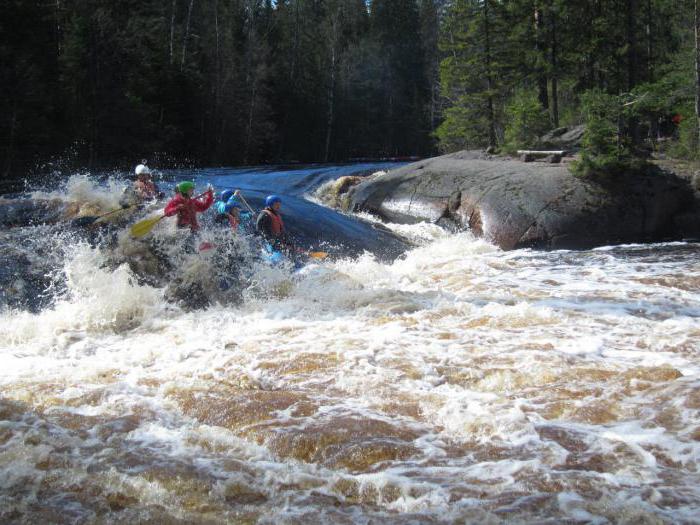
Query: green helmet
[184, 186]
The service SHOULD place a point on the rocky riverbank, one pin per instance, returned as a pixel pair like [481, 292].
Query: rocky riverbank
[515, 204]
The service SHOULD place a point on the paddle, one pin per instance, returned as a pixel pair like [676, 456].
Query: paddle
[82, 222]
[313, 255]
[141, 228]
[239, 194]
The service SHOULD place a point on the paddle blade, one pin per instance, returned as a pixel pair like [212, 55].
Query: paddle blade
[82, 222]
[203, 247]
[318, 255]
[141, 228]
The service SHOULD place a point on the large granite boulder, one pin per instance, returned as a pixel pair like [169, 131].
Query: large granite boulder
[515, 204]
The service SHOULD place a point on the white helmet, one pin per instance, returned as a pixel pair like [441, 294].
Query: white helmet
[142, 169]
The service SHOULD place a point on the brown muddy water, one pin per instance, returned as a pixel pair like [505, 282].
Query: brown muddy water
[459, 384]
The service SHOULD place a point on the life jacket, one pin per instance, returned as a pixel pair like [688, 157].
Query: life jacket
[276, 224]
[146, 189]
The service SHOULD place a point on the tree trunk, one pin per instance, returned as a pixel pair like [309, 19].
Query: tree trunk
[295, 52]
[633, 123]
[650, 42]
[249, 126]
[331, 102]
[95, 88]
[555, 69]
[631, 44]
[489, 78]
[251, 78]
[218, 136]
[187, 35]
[59, 38]
[218, 56]
[540, 53]
[334, 39]
[172, 30]
[697, 65]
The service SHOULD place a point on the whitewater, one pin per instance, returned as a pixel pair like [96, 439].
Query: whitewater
[457, 383]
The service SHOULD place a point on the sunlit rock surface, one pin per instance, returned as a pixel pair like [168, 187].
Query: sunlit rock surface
[515, 204]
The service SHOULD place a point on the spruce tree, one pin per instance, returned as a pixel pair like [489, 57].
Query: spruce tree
[474, 74]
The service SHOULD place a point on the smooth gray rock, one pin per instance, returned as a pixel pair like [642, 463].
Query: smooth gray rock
[515, 204]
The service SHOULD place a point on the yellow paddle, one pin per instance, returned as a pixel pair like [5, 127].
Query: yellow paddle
[141, 228]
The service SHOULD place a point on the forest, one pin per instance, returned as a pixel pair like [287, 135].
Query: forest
[96, 83]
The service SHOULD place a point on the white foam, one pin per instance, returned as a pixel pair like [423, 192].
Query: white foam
[82, 188]
[458, 342]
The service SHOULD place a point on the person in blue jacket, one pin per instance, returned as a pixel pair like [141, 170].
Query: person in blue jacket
[229, 210]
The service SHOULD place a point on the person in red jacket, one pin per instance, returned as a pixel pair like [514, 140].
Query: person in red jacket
[186, 207]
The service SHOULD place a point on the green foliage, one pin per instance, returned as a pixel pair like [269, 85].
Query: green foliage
[475, 73]
[232, 81]
[464, 126]
[569, 103]
[527, 121]
[687, 146]
[606, 148]
[609, 166]
[602, 114]
[559, 50]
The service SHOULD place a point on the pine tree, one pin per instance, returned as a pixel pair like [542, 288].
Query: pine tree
[430, 30]
[474, 74]
[697, 66]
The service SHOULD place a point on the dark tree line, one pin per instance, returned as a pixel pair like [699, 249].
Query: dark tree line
[216, 81]
[252, 81]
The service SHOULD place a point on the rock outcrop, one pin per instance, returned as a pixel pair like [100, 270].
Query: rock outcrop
[515, 204]
[568, 139]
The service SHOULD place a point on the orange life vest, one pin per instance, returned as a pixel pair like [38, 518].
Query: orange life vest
[276, 223]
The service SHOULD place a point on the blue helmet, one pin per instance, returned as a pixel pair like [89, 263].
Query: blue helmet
[271, 199]
[226, 195]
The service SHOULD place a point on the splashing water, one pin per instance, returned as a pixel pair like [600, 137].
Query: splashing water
[85, 190]
[458, 383]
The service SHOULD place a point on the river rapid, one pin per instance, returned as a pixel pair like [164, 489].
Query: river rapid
[456, 383]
